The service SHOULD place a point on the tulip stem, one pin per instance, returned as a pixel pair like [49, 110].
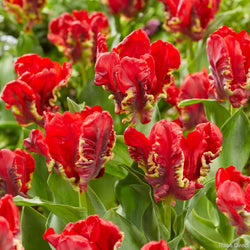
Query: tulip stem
[190, 48]
[83, 200]
[167, 214]
[83, 73]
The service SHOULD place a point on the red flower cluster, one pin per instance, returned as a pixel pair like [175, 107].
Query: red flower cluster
[174, 165]
[35, 88]
[9, 224]
[229, 57]
[92, 233]
[16, 169]
[233, 191]
[76, 35]
[189, 17]
[136, 73]
[26, 11]
[77, 145]
[128, 8]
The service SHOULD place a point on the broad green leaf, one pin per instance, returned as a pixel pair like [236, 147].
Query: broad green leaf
[236, 143]
[104, 188]
[94, 204]
[33, 228]
[74, 107]
[150, 224]
[65, 212]
[56, 223]
[39, 186]
[215, 112]
[133, 238]
[62, 192]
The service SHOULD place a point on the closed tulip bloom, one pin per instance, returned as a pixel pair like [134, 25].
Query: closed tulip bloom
[174, 166]
[233, 192]
[229, 58]
[155, 245]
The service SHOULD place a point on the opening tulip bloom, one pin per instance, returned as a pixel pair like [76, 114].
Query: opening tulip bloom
[77, 145]
[233, 192]
[35, 88]
[75, 36]
[16, 169]
[127, 8]
[174, 165]
[92, 233]
[26, 11]
[136, 74]
[229, 58]
[189, 17]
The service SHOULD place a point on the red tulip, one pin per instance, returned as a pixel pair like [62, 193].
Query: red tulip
[233, 192]
[92, 233]
[195, 85]
[174, 165]
[9, 224]
[127, 8]
[136, 74]
[189, 17]
[35, 88]
[76, 35]
[78, 145]
[155, 245]
[229, 58]
[16, 169]
[26, 11]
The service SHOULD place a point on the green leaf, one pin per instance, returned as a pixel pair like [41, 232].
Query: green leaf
[94, 204]
[215, 112]
[133, 238]
[74, 107]
[62, 192]
[5, 114]
[240, 243]
[28, 43]
[65, 212]
[236, 143]
[39, 186]
[9, 135]
[33, 228]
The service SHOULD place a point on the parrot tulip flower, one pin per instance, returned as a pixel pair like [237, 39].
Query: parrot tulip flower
[229, 58]
[233, 192]
[77, 145]
[189, 17]
[174, 166]
[75, 35]
[26, 11]
[35, 88]
[136, 74]
[16, 169]
[155, 245]
[92, 233]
